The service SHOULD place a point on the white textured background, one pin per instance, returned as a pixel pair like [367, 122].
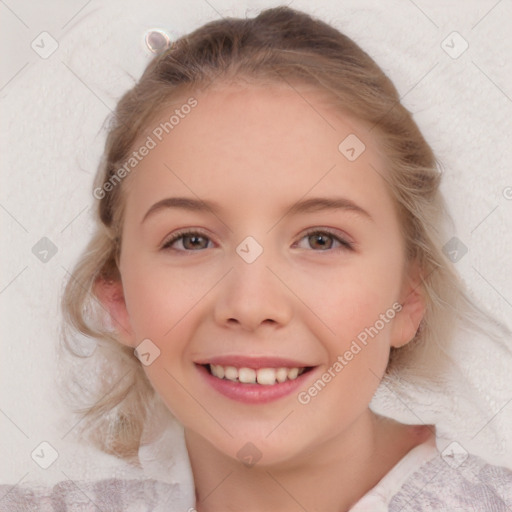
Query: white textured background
[52, 136]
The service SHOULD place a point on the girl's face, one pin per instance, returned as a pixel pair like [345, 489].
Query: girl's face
[259, 234]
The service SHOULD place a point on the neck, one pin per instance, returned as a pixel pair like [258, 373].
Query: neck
[330, 476]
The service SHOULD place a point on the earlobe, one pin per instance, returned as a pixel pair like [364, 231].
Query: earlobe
[408, 320]
[110, 293]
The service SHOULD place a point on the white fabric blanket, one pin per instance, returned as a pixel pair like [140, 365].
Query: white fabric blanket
[52, 137]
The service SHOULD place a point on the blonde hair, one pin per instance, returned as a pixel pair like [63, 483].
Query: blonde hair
[280, 44]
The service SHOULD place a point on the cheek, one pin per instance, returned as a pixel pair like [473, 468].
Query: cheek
[346, 299]
[360, 310]
[157, 298]
[361, 314]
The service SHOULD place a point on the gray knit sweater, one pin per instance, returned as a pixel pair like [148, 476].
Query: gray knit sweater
[423, 481]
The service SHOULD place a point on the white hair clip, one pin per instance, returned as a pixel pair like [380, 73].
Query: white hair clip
[157, 40]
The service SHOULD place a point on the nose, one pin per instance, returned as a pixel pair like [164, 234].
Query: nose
[253, 294]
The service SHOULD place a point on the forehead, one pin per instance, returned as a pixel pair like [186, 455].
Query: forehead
[260, 144]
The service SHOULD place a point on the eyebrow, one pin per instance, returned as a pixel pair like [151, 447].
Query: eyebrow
[311, 205]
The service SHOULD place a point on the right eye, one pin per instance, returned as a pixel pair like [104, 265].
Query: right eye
[191, 241]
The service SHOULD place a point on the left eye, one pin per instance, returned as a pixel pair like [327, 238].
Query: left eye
[324, 240]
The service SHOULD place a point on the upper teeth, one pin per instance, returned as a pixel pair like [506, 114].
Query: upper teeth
[265, 376]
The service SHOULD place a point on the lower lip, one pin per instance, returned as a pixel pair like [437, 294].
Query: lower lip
[253, 393]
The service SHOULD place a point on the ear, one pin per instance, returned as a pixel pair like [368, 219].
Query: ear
[110, 294]
[412, 299]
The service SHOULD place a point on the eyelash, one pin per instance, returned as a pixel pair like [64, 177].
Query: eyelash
[345, 245]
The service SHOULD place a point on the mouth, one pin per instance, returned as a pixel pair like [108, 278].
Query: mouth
[262, 376]
[247, 384]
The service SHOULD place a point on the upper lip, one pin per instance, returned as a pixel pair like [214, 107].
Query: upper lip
[240, 361]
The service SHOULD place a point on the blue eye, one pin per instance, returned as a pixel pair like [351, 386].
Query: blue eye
[192, 241]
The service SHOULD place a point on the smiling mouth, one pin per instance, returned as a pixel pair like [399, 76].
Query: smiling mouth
[263, 376]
